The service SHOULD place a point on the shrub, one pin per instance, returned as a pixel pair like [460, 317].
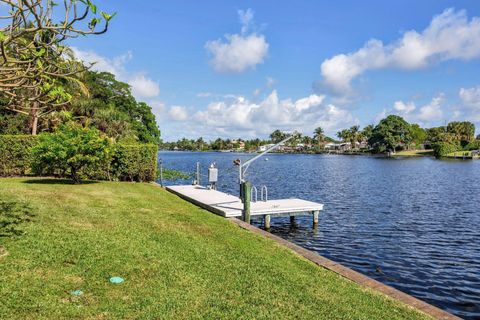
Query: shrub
[134, 162]
[441, 149]
[69, 151]
[474, 145]
[16, 154]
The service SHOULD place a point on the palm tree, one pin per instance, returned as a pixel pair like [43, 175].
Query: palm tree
[318, 135]
[354, 135]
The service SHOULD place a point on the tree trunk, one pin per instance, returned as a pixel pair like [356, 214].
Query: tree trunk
[34, 118]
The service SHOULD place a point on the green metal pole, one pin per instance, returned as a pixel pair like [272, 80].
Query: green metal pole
[246, 197]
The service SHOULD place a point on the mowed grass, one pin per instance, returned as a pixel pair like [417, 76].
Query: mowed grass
[178, 262]
[415, 153]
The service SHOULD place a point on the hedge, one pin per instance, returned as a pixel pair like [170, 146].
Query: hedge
[441, 149]
[134, 162]
[127, 162]
[15, 154]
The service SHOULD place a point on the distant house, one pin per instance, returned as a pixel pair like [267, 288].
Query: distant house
[337, 146]
[345, 146]
[238, 144]
[264, 147]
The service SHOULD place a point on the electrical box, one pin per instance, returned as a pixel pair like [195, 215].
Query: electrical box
[212, 175]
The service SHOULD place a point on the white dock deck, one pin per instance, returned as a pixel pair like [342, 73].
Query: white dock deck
[230, 206]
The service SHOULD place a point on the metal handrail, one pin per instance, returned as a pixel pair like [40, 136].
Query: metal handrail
[256, 194]
[266, 193]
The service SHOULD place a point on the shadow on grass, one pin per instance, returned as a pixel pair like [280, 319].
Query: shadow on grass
[13, 215]
[57, 181]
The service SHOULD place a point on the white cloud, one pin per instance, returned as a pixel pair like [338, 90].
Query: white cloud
[403, 107]
[142, 86]
[432, 111]
[471, 97]
[243, 117]
[427, 114]
[238, 52]
[246, 19]
[450, 35]
[178, 113]
[470, 108]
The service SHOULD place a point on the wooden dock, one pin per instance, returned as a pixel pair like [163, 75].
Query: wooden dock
[230, 206]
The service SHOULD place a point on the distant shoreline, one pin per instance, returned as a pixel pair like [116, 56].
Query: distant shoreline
[406, 153]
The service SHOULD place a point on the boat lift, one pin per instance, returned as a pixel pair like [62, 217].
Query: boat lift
[246, 186]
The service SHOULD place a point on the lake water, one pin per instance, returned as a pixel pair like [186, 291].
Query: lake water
[410, 223]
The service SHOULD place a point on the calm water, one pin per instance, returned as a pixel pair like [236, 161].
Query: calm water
[413, 224]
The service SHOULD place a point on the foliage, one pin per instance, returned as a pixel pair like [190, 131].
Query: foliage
[15, 154]
[12, 215]
[390, 133]
[463, 131]
[70, 150]
[418, 134]
[13, 123]
[442, 149]
[351, 135]
[277, 136]
[112, 109]
[173, 175]
[35, 65]
[134, 162]
[178, 262]
[319, 135]
[474, 145]
[368, 131]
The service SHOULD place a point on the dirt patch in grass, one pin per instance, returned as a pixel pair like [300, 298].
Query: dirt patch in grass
[3, 252]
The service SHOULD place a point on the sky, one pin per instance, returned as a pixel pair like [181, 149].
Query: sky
[235, 69]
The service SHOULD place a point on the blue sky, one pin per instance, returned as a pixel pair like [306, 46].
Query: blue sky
[243, 69]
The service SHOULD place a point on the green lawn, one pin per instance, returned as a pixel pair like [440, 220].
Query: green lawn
[415, 153]
[178, 262]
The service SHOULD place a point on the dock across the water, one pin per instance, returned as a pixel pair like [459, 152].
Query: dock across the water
[231, 206]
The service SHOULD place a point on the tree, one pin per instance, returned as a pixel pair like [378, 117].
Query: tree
[35, 65]
[277, 136]
[354, 135]
[438, 134]
[390, 133]
[319, 135]
[112, 108]
[351, 135]
[463, 131]
[70, 150]
[419, 135]
[368, 131]
[343, 135]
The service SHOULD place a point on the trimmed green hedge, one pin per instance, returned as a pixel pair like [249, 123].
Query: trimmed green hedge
[127, 162]
[441, 149]
[15, 154]
[134, 162]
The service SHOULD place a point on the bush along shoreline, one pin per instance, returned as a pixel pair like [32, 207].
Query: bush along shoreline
[77, 153]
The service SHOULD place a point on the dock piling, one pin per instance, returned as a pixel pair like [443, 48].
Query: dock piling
[267, 221]
[247, 194]
[315, 217]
